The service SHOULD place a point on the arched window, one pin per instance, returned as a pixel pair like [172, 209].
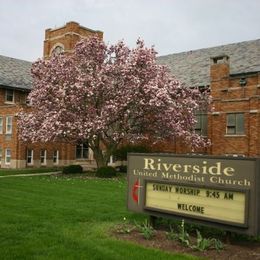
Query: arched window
[57, 50]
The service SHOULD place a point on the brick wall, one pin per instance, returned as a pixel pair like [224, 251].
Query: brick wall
[66, 36]
[234, 94]
[231, 94]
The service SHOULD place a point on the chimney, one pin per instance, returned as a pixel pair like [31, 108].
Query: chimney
[219, 68]
[219, 76]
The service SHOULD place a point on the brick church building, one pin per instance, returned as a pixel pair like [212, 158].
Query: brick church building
[230, 72]
[232, 75]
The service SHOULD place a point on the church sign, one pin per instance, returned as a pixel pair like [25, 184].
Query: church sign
[218, 191]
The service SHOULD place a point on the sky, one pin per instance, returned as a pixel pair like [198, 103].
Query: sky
[172, 26]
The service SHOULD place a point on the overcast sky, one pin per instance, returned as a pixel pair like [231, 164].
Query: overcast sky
[171, 25]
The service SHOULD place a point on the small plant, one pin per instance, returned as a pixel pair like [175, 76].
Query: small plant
[72, 169]
[146, 229]
[106, 172]
[217, 244]
[172, 235]
[181, 236]
[205, 243]
[202, 243]
[125, 228]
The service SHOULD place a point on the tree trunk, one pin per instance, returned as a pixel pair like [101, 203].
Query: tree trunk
[102, 157]
[99, 157]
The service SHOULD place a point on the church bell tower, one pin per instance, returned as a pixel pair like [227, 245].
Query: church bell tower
[63, 39]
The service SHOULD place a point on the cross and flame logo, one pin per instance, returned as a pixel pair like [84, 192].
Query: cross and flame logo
[135, 191]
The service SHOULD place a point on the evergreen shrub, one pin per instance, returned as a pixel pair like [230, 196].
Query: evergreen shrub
[106, 172]
[121, 168]
[72, 169]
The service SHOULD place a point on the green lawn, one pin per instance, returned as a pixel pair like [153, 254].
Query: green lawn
[66, 218]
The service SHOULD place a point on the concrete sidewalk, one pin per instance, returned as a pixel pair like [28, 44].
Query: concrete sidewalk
[31, 174]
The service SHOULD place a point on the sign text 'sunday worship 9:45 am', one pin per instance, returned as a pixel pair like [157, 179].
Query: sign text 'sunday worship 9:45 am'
[194, 201]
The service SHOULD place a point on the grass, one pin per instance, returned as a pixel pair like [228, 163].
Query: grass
[4, 172]
[66, 218]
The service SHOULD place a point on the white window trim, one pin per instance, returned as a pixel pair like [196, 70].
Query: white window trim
[82, 152]
[6, 125]
[44, 157]
[6, 162]
[1, 125]
[111, 159]
[31, 163]
[9, 102]
[57, 157]
[1, 155]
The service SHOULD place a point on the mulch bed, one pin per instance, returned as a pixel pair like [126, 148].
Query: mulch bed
[233, 251]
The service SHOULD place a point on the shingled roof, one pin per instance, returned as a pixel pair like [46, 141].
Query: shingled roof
[193, 67]
[15, 73]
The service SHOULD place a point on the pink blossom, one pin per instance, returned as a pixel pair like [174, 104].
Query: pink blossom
[107, 94]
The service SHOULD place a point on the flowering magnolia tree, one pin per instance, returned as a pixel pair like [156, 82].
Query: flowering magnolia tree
[105, 95]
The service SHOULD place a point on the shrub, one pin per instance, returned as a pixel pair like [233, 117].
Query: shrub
[121, 168]
[72, 169]
[121, 153]
[106, 172]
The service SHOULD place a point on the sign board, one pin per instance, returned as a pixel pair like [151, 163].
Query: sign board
[218, 191]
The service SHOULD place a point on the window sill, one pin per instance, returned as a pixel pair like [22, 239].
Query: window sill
[9, 103]
[83, 159]
[234, 135]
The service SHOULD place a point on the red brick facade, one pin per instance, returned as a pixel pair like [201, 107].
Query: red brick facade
[234, 94]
